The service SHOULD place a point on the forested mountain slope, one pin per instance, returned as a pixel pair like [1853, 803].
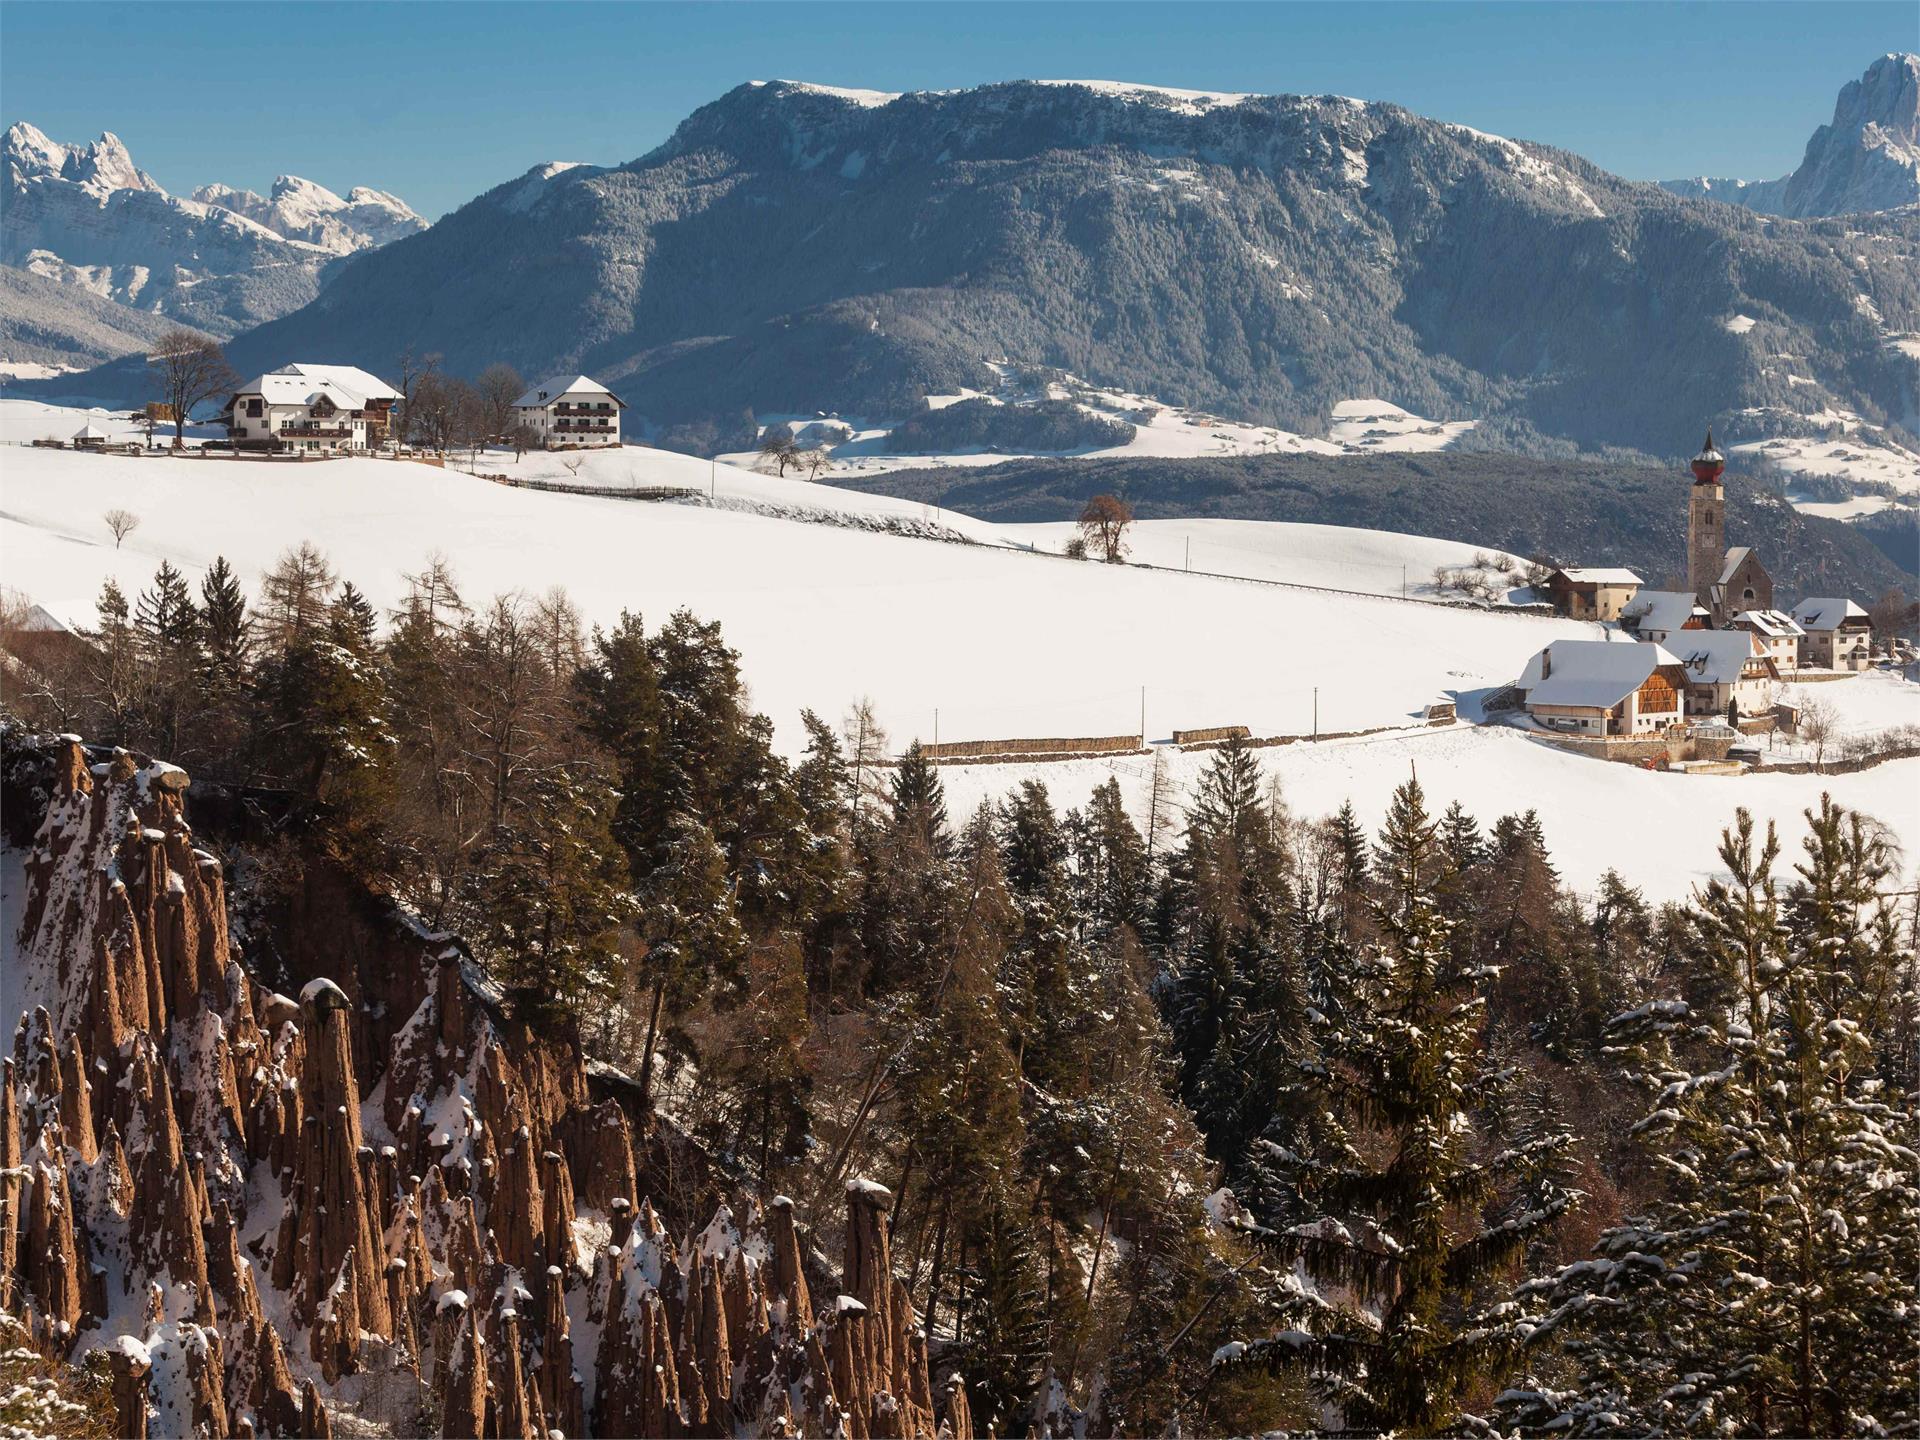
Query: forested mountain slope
[794, 249]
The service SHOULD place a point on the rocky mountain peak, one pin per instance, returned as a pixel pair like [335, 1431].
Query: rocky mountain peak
[1866, 159]
[1887, 96]
[107, 164]
[1869, 157]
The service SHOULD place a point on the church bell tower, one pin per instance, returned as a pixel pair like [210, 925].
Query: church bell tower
[1706, 523]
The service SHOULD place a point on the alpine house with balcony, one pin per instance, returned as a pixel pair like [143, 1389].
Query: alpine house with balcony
[311, 409]
[569, 412]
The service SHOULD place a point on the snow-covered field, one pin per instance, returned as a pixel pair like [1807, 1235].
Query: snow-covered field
[1847, 449]
[1864, 704]
[1001, 644]
[1658, 830]
[1336, 557]
[966, 640]
[24, 421]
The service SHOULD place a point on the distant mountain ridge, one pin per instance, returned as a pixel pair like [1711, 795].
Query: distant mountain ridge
[1867, 159]
[44, 323]
[87, 217]
[794, 248]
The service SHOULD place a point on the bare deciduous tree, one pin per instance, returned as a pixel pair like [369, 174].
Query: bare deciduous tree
[444, 413]
[523, 438]
[499, 386]
[1103, 524]
[815, 459]
[122, 523]
[1818, 725]
[779, 448]
[189, 368]
[413, 368]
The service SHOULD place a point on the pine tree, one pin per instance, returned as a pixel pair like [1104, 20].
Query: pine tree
[1460, 839]
[1115, 876]
[919, 802]
[546, 896]
[1348, 841]
[1237, 999]
[224, 627]
[1768, 1289]
[1402, 1199]
[167, 635]
[1003, 1346]
[694, 945]
[114, 663]
[325, 730]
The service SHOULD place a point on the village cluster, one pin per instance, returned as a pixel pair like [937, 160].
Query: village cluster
[1698, 666]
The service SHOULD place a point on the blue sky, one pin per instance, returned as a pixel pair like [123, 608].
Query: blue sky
[439, 101]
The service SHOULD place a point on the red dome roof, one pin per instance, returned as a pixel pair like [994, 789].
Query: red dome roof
[1708, 464]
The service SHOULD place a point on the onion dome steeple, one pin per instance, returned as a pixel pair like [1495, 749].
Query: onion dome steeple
[1708, 464]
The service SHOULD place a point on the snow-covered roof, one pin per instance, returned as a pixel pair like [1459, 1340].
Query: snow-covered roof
[1734, 556]
[346, 385]
[1826, 612]
[91, 431]
[1662, 609]
[1715, 657]
[559, 386]
[1777, 623]
[1596, 575]
[1590, 672]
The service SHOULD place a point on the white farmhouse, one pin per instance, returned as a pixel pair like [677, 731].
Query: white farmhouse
[1659, 615]
[1780, 634]
[1604, 688]
[1730, 673]
[569, 412]
[1839, 634]
[311, 409]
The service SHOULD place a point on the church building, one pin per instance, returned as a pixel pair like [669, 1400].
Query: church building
[1725, 582]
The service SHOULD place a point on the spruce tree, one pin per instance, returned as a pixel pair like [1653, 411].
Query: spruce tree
[114, 663]
[167, 634]
[1237, 998]
[919, 802]
[1768, 1288]
[1399, 1197]
[1003, 1346]
[224, 626]
[1348, 840]
[694, 945]
[546, 896]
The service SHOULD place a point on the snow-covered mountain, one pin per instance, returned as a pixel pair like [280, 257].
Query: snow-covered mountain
[301, 210]
[1867, 159]
[86, 216]
[794, 249]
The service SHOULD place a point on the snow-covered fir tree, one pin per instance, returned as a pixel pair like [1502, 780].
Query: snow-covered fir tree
[1769, 1287]
[1402, 1206]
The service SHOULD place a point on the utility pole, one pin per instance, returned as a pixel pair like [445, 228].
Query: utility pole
[1143, 713]
[1403, 582]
